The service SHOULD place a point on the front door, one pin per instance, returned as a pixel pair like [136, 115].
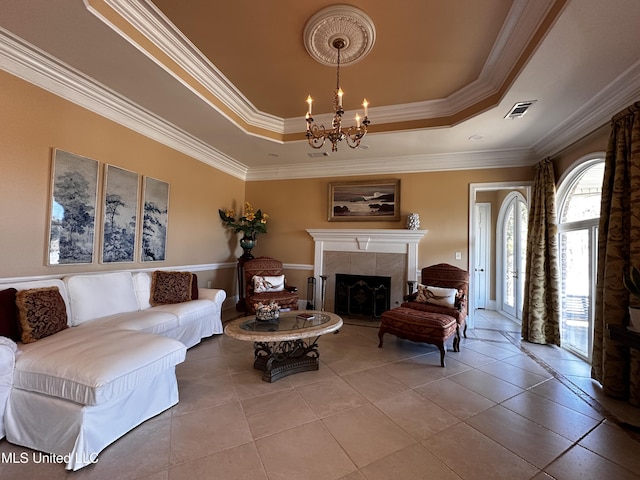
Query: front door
[514, 246]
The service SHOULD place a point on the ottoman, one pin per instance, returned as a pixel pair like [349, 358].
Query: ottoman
[419, 326]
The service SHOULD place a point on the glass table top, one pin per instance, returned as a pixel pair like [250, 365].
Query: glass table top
[288, 322]
[290, 326]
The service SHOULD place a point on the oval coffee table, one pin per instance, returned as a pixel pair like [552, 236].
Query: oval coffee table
[287, 345]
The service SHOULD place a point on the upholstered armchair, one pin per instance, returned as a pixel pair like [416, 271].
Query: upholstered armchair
[266, 283]
[442, 298]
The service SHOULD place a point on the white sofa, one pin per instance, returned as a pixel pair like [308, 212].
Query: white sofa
[75, 392]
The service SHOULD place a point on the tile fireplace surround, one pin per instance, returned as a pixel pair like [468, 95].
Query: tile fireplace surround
[385, 252]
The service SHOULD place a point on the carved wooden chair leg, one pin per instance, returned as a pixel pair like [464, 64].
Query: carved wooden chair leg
[456, 341]
[442, 352]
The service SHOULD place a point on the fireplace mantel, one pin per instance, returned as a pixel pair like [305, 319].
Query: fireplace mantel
[399, 238]
[401, 241]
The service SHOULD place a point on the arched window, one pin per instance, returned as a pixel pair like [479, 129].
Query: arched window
[579, 196]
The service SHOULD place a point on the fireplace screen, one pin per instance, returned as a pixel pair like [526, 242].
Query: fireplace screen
[365, 295]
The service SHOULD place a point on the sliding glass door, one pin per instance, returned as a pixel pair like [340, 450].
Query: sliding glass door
[578, 212]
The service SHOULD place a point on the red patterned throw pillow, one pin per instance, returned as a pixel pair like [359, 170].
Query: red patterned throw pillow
[170, 287]
[9, 315]
[41, 312]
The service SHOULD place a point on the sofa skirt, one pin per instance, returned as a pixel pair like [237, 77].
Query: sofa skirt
[79, 432]
[8, 350]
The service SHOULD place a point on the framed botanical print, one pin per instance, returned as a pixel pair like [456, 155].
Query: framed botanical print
[155, 217]
[72, 218]
[120, 214]
[369, 200]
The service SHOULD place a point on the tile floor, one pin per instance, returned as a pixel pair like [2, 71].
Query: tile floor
[497, 410]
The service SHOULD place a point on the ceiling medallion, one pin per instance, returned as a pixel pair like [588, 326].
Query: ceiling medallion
[338, 35]
[339, 21]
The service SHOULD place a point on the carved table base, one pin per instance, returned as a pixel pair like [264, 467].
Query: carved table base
[280, 359]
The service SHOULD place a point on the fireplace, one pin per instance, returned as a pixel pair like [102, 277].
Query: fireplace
[363, 295]
[378, 252]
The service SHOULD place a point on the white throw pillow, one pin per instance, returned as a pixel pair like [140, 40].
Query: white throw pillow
[142, 285]
[100, 295]
[268, 284]
[445, 297]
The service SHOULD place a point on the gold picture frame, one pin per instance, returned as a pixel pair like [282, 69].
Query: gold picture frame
[365, 200]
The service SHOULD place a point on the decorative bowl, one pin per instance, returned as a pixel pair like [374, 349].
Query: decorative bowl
[267, 314]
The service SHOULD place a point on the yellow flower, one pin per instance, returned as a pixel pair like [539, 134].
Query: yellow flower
[250, 224]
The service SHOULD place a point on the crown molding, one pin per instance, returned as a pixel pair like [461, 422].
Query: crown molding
[393, 165]
[594, 113]
[37, 67]
[523, 20]
[33, 65]
[146, 18]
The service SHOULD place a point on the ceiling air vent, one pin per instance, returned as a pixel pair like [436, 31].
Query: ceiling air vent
[318, 154]
[519, 109]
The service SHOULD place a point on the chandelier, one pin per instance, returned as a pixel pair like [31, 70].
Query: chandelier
[317, 134]
[338, 35]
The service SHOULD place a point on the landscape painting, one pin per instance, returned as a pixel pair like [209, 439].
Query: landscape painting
[74, 187]
[155, 216]
[120, 218]
[377, 200]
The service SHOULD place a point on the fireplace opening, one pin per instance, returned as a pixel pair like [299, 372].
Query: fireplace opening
[365, 295]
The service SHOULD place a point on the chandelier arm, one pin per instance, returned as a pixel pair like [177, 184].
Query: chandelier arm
[316, 135]
[354, 135]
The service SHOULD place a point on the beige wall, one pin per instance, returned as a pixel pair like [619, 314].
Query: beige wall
[33, 122]
[441, 199]
[595, 142]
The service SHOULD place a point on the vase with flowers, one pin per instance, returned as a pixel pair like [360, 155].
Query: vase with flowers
[250, 223]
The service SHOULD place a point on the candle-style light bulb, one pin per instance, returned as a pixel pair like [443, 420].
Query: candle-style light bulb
[365, 104]
[309, 101]
[340, 93]
[357, 120]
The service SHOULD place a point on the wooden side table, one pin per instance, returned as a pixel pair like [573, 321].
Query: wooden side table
[631, 339]
[625, 336]
[241, 305]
